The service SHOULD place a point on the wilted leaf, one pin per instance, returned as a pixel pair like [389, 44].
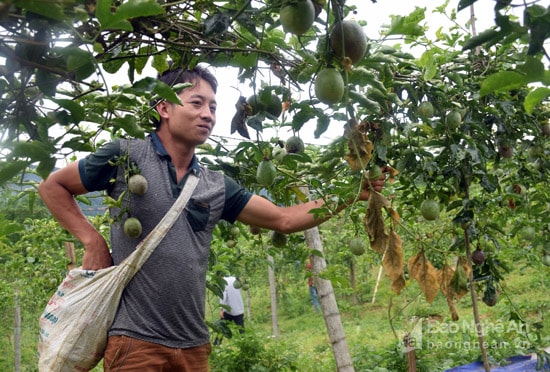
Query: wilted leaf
[425, 274]
[359, 146]
[374, 222]
[444, 276]
[238, 123]
[463, 261]
[458, 285]
[393, 262]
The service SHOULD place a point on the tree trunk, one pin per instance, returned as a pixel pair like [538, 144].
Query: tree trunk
[329, 307]
[273, 291]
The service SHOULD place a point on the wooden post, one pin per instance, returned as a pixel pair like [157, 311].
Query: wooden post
[17, 333]
[69, 253]
[408, 342]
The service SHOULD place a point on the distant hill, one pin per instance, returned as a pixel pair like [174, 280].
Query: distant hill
[95, 208]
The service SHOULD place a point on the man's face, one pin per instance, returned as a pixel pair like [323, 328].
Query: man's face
[194, 120]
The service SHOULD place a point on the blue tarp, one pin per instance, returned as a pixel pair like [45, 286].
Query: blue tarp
[521, 363]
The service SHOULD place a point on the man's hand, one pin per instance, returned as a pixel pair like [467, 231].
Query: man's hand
[376, 185]
[97, 255]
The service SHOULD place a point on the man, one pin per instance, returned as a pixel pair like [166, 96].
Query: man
[160, 321]
[232, 301]
[232, 306]
[312, 287]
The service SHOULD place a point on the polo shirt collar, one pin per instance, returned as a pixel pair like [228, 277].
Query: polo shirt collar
[161, 152]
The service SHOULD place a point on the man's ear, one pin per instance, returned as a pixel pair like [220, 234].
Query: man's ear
[162, 109]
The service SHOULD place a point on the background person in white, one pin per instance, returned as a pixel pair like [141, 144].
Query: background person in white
[233, 301]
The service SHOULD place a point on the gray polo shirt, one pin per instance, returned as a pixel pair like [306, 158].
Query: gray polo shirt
[164, 303]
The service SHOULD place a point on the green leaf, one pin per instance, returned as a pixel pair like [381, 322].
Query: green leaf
[160, 62]
[33, 150]
[534, 98]
[47, 82]
[48, 9]
[408, 25]
[368, 104]
[501, 82]
[160, 88]
[77, 112]
[128, 10]
[9, 170]
[533, 69]
[45, 167]
[129, 124]
[489, 36]
[79, 61]
[323, 122]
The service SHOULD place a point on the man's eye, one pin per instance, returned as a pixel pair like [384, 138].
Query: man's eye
[213, 108]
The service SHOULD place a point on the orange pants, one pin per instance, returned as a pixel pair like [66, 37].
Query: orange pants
[129, 354]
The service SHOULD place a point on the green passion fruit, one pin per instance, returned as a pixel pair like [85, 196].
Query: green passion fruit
[453, 119]
[137, 184]
[297, 16]
[329, 86]
[256, 103]
[278, 239]
[270, 103]
[349, 40]
[266, 172]
[425, 110]
[294, 145]
[274, 105]
[429, 209]
[132, 227]
[278, 154]
[357, 246]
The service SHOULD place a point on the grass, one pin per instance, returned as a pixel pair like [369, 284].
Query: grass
[370, 335]
[303, 342]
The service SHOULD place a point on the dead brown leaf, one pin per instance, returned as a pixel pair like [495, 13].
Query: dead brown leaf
[444, 276]
[422, 270]
[359, 146]
[374, 222]
[393, 262]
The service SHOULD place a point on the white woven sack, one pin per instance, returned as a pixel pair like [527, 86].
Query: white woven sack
[74, 325]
